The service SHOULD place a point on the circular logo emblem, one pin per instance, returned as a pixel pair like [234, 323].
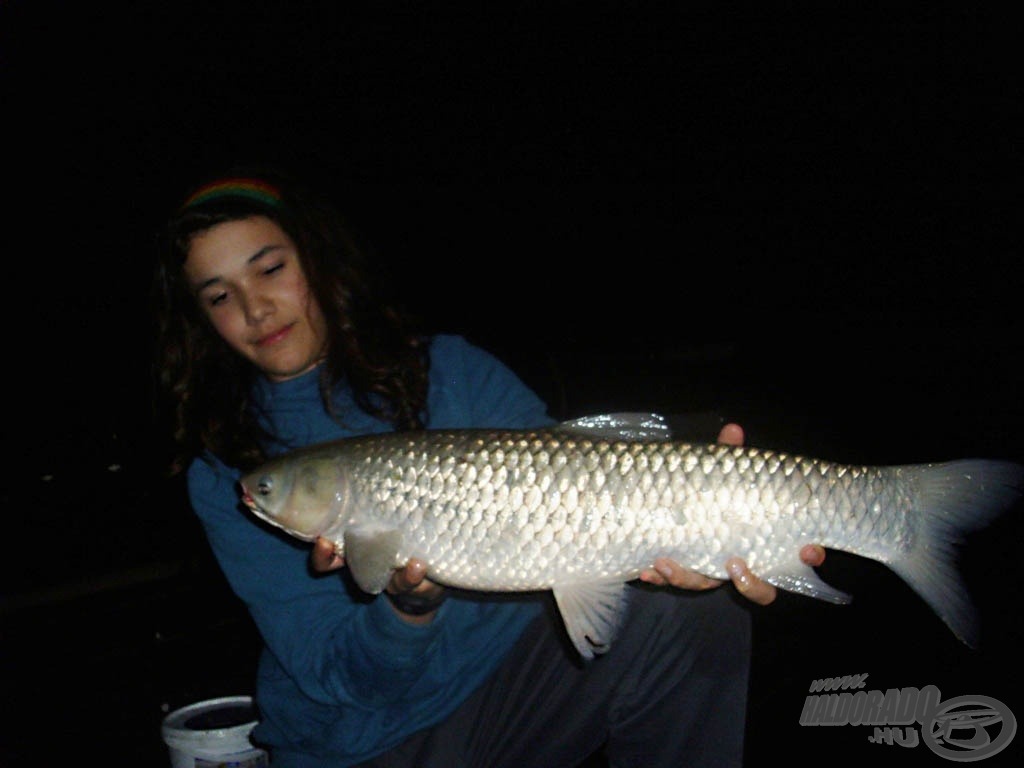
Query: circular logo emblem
[968, 728]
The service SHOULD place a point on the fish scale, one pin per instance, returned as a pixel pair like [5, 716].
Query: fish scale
[584, 507]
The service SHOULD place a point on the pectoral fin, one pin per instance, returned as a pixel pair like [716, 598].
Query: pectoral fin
[592, 614]
[371, 554]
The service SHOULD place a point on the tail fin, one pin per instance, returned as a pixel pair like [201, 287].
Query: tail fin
[954, 498]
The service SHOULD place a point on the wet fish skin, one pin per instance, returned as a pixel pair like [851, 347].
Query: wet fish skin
[584, 507]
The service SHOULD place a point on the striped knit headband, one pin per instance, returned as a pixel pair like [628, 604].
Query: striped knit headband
[253, 189]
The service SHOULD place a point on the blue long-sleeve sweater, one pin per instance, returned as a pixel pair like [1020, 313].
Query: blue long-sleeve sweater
[342, 677]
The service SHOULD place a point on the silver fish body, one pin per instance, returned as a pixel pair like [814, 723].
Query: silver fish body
[584, 507]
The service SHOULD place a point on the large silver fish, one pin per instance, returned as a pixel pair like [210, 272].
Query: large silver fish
[582, 508]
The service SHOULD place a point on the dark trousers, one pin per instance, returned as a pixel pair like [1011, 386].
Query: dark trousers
[671, 692]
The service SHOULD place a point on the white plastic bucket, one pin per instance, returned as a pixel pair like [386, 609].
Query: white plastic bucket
[214, 733]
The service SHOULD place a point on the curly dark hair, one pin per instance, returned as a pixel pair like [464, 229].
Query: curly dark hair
[204, 388]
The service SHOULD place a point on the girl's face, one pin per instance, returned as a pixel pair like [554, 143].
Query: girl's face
[247, 278]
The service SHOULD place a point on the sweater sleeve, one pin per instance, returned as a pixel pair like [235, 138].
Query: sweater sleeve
[341, 670]
[338, 646]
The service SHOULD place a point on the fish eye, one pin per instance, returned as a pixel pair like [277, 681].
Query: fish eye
[265, 486]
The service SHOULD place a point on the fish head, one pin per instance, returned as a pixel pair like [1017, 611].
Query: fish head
[303, 496]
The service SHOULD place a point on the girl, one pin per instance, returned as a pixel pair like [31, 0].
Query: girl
[271, 338]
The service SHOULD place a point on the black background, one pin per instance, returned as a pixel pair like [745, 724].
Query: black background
[800, 216]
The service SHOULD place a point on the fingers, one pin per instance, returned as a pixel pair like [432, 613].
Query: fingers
[747, 584]
[813, 555]
[323, 557]
[761, 592]
[413, 578]
[731, 434]
[409, 578]
[669, 573]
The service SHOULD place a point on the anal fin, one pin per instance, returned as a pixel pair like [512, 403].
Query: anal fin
[796, 576]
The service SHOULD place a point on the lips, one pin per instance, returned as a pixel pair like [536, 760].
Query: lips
[273, 338]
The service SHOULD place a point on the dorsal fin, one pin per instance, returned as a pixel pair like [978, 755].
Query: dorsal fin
[619, 426]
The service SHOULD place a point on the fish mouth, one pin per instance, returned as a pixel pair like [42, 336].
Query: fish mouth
[268, 516]
[249, 501]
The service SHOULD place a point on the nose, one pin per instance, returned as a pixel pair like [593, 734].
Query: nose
[257, 307]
